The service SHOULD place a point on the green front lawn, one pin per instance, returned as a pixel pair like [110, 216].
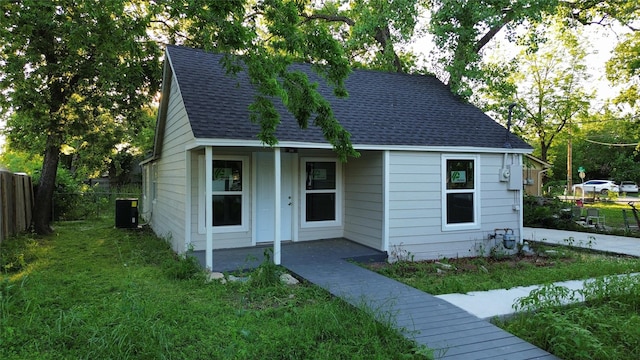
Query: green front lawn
[95, 292]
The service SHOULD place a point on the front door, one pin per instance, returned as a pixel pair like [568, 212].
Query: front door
[265, 198]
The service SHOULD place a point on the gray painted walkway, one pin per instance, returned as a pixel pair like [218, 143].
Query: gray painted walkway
[451, 331]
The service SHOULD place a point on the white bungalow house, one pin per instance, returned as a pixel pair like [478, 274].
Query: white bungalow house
[436, 176]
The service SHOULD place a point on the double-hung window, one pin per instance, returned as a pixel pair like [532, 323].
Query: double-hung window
[460, 189]
[227, 192]
[229, 197]
[321, 199]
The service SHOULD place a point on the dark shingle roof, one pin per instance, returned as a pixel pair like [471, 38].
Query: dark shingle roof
[382, 108]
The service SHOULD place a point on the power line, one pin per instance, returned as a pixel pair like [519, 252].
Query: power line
[611, 144]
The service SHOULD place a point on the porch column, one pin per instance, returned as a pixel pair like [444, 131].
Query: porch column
[187, 200]
[385, 200]
[277, 203]
[208, 195]
[520, 194]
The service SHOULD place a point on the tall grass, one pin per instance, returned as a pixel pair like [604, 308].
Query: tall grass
[92, 291]
[605, 326]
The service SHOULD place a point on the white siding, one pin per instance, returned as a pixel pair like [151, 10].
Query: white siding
[167, 219]
[363, 200]
[415, 218]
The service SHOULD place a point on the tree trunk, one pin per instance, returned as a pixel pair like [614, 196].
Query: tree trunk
[44, 195]
[383, 35]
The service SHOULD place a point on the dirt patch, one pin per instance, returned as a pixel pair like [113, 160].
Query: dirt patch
[473, 264]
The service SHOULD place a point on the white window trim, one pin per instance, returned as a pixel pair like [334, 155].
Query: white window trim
[303, 189]
[244, 226]
[475, 191]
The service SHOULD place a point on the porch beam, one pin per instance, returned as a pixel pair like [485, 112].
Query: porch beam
[208, 195]
[278, 207]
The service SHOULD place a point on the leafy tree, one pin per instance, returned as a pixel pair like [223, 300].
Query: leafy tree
[547, 88]
[74, 70]
[371, 31]
[624, 67]
[604, 143]
[607, 146]
[68, 65]
[462, 29]
[20, 161]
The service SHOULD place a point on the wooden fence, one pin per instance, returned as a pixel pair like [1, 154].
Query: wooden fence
[16, 203]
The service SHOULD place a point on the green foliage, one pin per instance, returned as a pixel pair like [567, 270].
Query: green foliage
[78, 201]
[183, 267]
[21, 161]
[546, 85]
[604, 326]
[16, 254]
[76, 76]
[88, 70]
[462, 29]
[72, 198]
[597, 148]
[271, 36]
[380, 29]
[267, 274]
[550, 213]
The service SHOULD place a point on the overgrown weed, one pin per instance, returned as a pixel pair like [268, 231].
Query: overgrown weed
[599, 321]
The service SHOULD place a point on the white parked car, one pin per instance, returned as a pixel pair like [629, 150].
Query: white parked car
[628, 187]
[598, 186]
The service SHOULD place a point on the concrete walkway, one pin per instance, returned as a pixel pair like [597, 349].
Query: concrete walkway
[609, 243]
[492, 303]
[489, 304]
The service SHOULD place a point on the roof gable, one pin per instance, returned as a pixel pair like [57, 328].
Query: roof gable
[383, 109]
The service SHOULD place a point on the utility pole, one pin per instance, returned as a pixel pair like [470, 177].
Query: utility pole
[569, 161]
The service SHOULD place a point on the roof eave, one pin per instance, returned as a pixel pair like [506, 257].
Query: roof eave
[199, 143]
[161, 118]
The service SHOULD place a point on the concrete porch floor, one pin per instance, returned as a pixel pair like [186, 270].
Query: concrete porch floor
[247, 258]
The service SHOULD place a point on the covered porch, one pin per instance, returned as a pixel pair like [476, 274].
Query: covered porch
[272, 197]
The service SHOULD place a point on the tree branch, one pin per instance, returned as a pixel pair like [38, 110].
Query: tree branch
[508, 17]
[170, 28]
